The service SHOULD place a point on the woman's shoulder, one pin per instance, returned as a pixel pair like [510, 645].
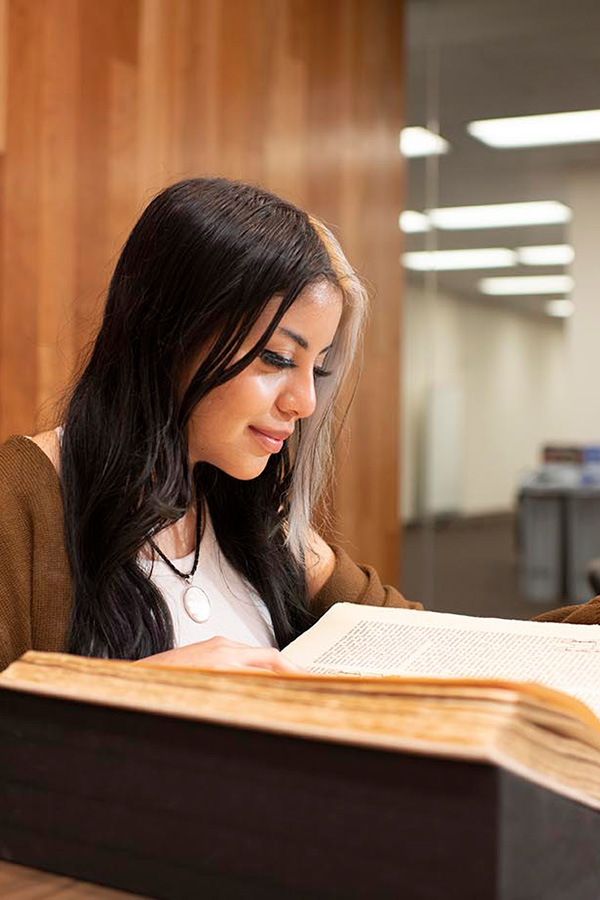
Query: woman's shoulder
[27, 464]
[49, 442]
[320, 563]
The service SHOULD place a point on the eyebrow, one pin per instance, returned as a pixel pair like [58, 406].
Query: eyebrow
[302, 342]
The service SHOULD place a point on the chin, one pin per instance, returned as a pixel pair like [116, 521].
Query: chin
[246, 471]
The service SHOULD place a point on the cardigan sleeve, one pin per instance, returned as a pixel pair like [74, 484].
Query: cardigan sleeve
[578, 614]
[16, 553]
[351, 583]
[35, 584]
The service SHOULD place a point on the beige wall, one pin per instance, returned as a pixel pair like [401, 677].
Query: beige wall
[510, 370]
[583, 327]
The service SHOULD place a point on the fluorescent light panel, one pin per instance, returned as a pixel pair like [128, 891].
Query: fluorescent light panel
[546, 255]
[412, 222]
[500, 215]
[419, 141]
[494, 215]
[538, 131]
[526, 284]
[447, 260]
[562, 309]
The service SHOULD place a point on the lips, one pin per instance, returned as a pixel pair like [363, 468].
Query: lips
[271, 441]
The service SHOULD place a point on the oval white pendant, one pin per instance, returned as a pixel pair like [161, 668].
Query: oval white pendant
[196, 603]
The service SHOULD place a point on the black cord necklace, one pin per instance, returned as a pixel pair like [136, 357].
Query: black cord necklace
[187, 576]
[195, 600]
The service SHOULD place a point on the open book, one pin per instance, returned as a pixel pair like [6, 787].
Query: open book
[522, 695]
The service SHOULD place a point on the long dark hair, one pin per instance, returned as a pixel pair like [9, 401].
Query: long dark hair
[203, 260]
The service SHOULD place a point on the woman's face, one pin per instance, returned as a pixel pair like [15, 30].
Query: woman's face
[241, 423]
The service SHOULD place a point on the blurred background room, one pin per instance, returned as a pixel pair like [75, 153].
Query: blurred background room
[467, 473]
[501, 414]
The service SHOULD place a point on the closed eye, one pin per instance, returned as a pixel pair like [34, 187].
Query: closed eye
[281, 362]
[276, 361]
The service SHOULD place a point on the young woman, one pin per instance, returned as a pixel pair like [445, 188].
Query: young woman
[169, 516]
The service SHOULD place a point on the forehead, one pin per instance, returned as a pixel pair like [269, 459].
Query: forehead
[317, 309]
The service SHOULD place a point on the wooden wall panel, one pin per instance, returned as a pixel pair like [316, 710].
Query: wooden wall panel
[3, 70]
[108, 102]
[20, 210]
[56, 192]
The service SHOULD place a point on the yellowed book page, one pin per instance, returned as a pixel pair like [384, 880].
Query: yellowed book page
[380, 706]
[380, 712]
[370, 640]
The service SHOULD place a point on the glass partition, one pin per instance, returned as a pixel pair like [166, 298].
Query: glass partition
[501, 423]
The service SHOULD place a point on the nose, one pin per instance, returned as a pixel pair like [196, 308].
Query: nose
[299, 397]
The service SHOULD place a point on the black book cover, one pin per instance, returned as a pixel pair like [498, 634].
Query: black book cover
[179, 809]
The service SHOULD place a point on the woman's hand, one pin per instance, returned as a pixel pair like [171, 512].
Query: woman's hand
[221, 653]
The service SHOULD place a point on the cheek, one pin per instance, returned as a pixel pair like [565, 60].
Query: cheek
[234, 404]
[241, 399]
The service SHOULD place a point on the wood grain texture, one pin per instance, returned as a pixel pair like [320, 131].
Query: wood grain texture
[3, 70]
[25, 883]
[106, 103]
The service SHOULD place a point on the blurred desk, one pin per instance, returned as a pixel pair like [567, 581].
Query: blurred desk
[23, 883]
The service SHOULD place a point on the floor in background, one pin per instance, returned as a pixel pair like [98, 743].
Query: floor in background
[474, 569]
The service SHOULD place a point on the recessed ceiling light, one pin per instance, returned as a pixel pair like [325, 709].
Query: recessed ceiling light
[538, 131]
[560, 308]
[446, 260]
[500, 215]
[412, 222]
[546, 255]
[526, 284]
[419, 141]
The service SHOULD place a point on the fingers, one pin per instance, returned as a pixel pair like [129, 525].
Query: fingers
[271, 660]
[223, 654]
[286, 665]
[242, 655]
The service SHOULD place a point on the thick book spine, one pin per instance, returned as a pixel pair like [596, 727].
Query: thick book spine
[176, 809]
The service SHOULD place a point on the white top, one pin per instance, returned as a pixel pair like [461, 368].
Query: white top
[236, 610]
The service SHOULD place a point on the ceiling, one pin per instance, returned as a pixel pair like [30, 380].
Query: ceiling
[478, 59]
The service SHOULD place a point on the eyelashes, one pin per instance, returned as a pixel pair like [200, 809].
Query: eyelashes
[280, 362]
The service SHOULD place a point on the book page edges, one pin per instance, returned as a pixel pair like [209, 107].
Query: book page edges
[32, 673]
[108, 677]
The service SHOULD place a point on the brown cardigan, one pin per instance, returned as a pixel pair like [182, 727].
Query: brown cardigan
[36, 592]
